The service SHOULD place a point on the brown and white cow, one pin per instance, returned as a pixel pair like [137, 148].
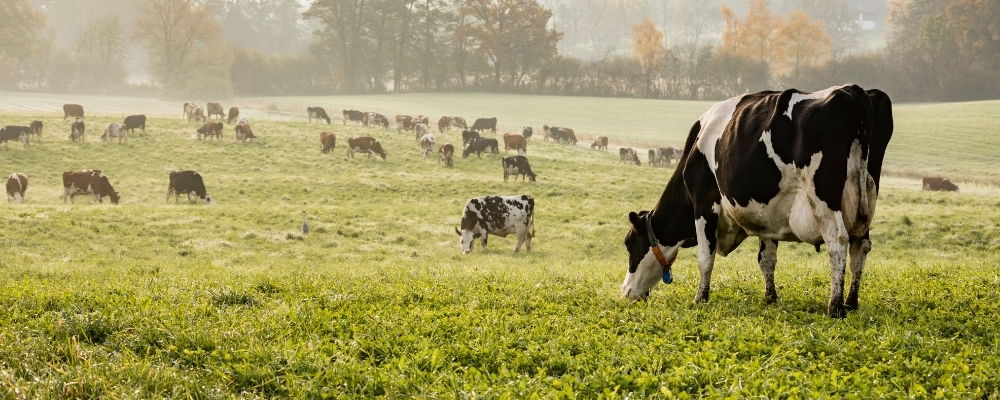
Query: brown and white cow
[366, 144]
[444, 123]
[379, 120]
[423, 119]
[405, 123]
[211, 129]
[516, 142]
[327, 142]
[114, 130]
[654, 157]
[627, 154]
[243, 132]
[459, 122]
[76, 134]
[419, 130]
[188, 107]
[445, 153]
[215, 109]
[197, 114]
[601, 143]
[427, 144]
[939, 185]
[17, 183]
[88, 182]
[234, 113]
[72, 110]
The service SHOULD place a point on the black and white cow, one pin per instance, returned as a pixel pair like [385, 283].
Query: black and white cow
[13, 132]
[498, 215]
[469, 137]
[189, 183]
[781, 166]
[517, 165]
[489, 146]
[317, 113]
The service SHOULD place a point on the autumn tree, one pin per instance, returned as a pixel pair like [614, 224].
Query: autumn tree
[100, 54]
[803, 43]
[183, 42]
[647, 47]
[512, 34]
[756, 36]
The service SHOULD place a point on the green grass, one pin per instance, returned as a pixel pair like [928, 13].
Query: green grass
[150, 299]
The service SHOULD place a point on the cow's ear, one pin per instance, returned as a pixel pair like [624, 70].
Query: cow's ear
[635, 219]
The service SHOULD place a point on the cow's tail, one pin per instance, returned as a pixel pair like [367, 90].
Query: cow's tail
[864, 138]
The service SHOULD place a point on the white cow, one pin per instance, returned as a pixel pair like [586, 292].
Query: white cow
[114, 129]
[498, 215]
[427, 144]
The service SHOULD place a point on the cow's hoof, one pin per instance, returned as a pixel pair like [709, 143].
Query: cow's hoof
[836, 310]
[702, 297]
[851, 305]
[770, 298]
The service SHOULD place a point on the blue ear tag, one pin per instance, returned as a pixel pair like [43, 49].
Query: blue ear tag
[668, 277]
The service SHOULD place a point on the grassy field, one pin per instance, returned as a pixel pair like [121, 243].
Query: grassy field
[150, 299]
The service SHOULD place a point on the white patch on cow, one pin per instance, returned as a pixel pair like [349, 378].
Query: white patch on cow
[797, 97]
[713, 124]
[17, 197]
[647, 274]
[208, 198]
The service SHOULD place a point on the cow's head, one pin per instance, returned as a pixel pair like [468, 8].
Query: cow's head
[115, 198]
[466, 238]
[644, 269]
[208, 198]
[532, 176]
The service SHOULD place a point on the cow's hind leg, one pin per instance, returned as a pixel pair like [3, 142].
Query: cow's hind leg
[859, 254]
[767, 257]
[705, 226]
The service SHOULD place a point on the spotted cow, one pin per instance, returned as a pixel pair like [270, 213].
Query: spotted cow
[482, 145]
[628, 155]
[782, 166]
[12, 132]
[427, 144]
[317, 113]
[114, 130]
[517, 165]
[500, 216]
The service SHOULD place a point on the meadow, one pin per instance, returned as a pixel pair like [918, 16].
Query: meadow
[152, 299]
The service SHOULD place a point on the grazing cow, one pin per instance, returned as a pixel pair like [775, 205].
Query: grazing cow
[654, 157]
[243, 120]
[445, 153]
[423, 119]
[187, 182]
[17, 183]
[570, 136]
[939, 185]
[527, 132]
[601, 143]
[76, 133]
[327, 142]
[405, 123]
[88, 182]
[498, 215]
[669, 153]
[469, 137]
[444, 123]
[234, 112]
[380, 120]
[516, 142]
[318, 113]
[366, 144]
[353, 115]
[135, 121]
[215, 109]
[114, 130]
[197, 114]
[36, 128]
[367, 118]
[420, 130]
[188, 108]
[243, 132]
[211, 129]
[781, 166]
[483, 124]
[627, 154]
[517, 165]
[481, 145]
[559, 135]
[11, 132]
[72, 110]
[427, 144]
[459, 122]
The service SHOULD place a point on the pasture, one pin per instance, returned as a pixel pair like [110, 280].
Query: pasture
[151, 299]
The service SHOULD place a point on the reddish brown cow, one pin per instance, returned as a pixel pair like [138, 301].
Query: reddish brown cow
[17, 183]
[327, 142]
[88, 182]
[243, 132]
[211, 129]
[234, 113]
[516, 142]
[366, 144]
[72, 110]
[444, 123]
[445, 153]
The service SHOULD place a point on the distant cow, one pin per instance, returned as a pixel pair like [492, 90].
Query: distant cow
[444, 123]
[135, 121]
[318, 113]
[366, 144]
[500, 216]
[527, 132]
[327, 142]
[114, 130]
[939, 185]
[353, 116]
[517, 165]
[570, 136]
[36, 128]
[627, 154]
[601, 143]
[423, 119]
[669, 153]
[215, 109]
[420, 130]
[469, 137]
[516, 142]
[76, 132]
[243, 132]
[211, 129]
[72, 110]
[459, 122]
[11, 132]
[234, 112]
[560, 135]
[405, 123]
[17, 183]
[445, 153]
[88, 182]
[189, 183]
[427, 144]
[483, 124]
[481, 145]
[654, 157]
[197, 114]
[379, 120]
[188, 108]
[243, 120]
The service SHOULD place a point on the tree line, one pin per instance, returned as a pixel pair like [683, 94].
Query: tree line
[936, 49]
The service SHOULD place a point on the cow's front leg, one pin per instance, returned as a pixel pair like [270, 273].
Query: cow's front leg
[483, 240]
[859, 254]
[767, 257]
[705, 227]
[837, 242]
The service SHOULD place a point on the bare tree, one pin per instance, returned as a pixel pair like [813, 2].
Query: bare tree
[173, 30]
[100, 54]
